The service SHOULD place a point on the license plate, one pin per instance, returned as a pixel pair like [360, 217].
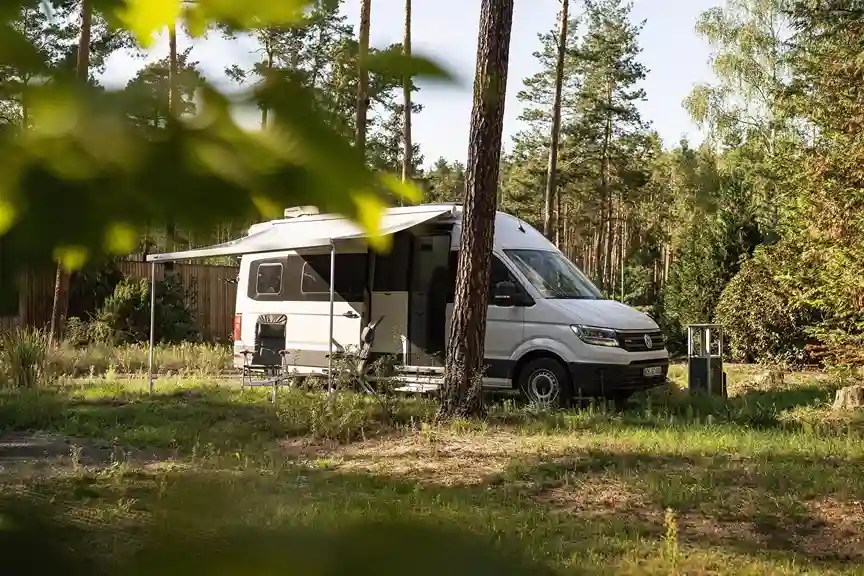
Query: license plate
[652, 371]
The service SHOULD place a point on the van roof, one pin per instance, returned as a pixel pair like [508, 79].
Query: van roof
[311, 230]
[510, 230]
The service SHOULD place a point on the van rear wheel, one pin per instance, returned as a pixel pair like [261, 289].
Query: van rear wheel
[545, 381]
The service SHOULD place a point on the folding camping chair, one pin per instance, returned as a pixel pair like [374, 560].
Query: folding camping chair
[264, 365]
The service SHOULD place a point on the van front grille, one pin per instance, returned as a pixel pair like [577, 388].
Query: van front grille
[642, 341]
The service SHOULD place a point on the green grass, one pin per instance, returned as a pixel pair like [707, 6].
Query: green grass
[96, 360]
[767, 482]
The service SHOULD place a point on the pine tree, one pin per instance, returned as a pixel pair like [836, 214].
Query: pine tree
[607, 117]
[152, 84]
[461, 393]
[446, 182]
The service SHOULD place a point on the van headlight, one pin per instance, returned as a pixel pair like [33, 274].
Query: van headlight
[596, 336]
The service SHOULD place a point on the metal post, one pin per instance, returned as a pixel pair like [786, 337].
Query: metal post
[332, 298]
[152, 327]
[707, 353]
[689, 341]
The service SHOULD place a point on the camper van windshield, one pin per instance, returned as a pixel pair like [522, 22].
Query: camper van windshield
[553, 275]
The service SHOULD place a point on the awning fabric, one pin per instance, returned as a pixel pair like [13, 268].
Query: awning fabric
[307, 232]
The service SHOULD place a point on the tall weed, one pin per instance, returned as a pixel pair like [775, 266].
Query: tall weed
[23, 357]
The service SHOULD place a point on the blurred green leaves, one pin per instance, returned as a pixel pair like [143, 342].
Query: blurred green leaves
[394, 62]
[36, 538]
[81, 180]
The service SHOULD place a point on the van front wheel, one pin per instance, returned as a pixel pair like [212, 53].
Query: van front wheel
[545, 381]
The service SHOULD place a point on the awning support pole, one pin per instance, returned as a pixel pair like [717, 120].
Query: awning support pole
[332, 299]
[152, 327]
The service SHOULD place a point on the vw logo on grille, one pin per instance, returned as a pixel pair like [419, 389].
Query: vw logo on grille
[648, 341]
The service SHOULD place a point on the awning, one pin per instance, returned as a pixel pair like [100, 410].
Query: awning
[308, 232]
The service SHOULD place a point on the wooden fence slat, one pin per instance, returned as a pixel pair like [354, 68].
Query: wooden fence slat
[212, 298]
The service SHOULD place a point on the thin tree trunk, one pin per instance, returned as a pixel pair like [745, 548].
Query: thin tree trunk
[552, 167]
[61, 278]
[568, 246]
[264, 108]
[622, 246]
[173, 108]
[605, 189]
[363, 75]
[601, 242]
[461, 391]
[408, 149]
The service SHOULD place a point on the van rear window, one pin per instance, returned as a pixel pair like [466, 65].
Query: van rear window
[269, 279]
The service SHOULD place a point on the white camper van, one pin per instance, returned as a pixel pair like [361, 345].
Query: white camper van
[550, 334]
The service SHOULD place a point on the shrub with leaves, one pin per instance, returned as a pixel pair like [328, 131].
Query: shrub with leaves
[124, 318]
[761, 321]
[23, 357]
[91, 286]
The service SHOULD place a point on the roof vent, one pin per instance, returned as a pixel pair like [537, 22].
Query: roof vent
[296, 211]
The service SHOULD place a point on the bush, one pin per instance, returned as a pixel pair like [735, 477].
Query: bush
[91, 286]
[23, 357]
[125, 315]
[124, 318]
[761, 323]
[714, 246]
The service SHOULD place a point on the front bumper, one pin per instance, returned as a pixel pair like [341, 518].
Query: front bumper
[593, 380]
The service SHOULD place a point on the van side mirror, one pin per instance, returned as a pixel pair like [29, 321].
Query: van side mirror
[505, 294]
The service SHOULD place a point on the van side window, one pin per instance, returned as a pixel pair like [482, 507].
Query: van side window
[498, 272]
[268, 279]
[351, 272]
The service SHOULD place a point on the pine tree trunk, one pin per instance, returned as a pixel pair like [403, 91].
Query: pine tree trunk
[408, 147]
[61, 278]
[461, 392]
[552, 167]
[605, 190]
[363, 74]
[173, 108]
[265, 109]
[568, 246]
[601, 242]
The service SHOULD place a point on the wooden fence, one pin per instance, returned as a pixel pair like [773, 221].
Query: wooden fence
[212, 296]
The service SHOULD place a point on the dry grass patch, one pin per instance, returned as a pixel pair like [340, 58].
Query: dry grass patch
[432, 456]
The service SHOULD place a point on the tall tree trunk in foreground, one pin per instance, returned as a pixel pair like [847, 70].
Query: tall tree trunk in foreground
[408, 148]
[61, 277]
[552, 169]
[461, 391]
[363, 71]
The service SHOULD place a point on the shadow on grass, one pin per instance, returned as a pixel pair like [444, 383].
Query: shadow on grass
[802, 509]
[208, 525]
[731, 514]
[799, 409]
[781, 400]
[201, 419]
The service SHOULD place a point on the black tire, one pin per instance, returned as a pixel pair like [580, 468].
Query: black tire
[545, 381]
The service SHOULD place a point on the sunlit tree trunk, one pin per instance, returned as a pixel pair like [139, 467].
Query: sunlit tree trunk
[605, 189]
[461, 390]
[552, 168]
[408, 149]
[363, 75]
[173, 107]
[61, 277]
[265, 109]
